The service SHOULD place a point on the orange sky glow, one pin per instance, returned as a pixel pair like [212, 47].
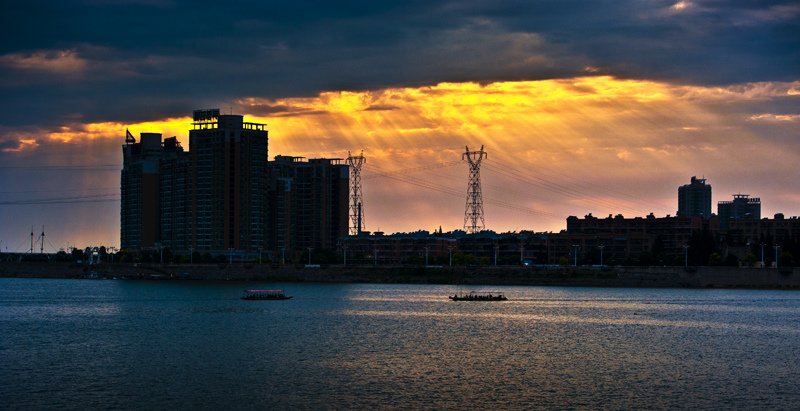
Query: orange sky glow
[555, 148]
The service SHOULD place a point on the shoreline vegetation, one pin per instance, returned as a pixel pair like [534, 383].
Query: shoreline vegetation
[673, 277]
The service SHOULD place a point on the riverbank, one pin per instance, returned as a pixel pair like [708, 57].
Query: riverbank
[691, 277]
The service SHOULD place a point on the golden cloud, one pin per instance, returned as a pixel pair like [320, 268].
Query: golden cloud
[627, 135]
[56, 61]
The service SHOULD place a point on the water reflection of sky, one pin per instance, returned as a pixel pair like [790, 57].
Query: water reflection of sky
[197, 345]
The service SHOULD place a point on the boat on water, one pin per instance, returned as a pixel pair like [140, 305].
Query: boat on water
[479, 296]
[265, 295]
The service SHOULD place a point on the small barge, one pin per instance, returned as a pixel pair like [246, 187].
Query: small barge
[479, 296]
[265, 295]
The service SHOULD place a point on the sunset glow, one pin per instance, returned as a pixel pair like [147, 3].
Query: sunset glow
[621, 143]
[605, 108]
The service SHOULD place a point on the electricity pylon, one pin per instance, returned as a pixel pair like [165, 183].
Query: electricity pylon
[473, 216]
[356, 206]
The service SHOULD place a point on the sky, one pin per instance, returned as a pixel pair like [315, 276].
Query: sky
[602, 107]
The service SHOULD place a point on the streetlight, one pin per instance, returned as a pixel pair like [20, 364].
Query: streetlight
[602, 262]
[762, 255]
[426, 256]
[283, 256]
[259, 255]
[191, 255]
[522, 255]
[309, 255]
[686, 258]
[575, 248]
[344, 248]
[451, 255]
[777, 247]
[495, 255]
[231, 250]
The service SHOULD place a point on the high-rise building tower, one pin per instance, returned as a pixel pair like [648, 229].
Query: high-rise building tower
[174, 181]
[740, 208]
[224, 194]
[695, 199]
[229, 188]
[139, 216]
[309, 204]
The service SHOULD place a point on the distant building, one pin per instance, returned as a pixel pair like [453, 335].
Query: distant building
[139, 185]
[742, 207]
[223, 196]
[694, 199]
[752, 231]
[309, 204]
[623, 238]
[400, 248]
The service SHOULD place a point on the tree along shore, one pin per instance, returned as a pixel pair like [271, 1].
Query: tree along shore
[691, 277]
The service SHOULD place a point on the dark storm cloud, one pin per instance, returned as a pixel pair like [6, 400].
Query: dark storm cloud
[130, 61]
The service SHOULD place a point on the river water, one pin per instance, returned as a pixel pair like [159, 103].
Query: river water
[94, 344]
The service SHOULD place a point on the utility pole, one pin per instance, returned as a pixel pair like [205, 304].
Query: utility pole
[473, 215]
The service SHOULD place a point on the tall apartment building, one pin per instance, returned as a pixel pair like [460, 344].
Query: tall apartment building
[174, 179]
[224, 194]
[139, 186]
[694, 199]
[309, 204]
[742, 207]
[229, 188]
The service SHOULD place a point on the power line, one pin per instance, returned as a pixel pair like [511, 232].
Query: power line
[574, 182]
[60, 190]
[99, 198]
[554, 182]
[105, 167]
[412, 170]
[565, 191]
[449, 191]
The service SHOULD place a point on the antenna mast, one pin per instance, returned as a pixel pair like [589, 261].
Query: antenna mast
[356, 206]
[474, 210]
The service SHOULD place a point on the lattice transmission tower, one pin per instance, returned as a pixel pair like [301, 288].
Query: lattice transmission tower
[473, 216]
[356, 200]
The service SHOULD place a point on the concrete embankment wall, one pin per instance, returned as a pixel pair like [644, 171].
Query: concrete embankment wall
[696, 277]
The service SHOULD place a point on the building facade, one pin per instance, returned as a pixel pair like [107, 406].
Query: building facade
[139, 190]
[694, 199]
[174, 179]
[742, 207]
[229, 188]
[224, 196]
[625, 238]
[309, 204]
